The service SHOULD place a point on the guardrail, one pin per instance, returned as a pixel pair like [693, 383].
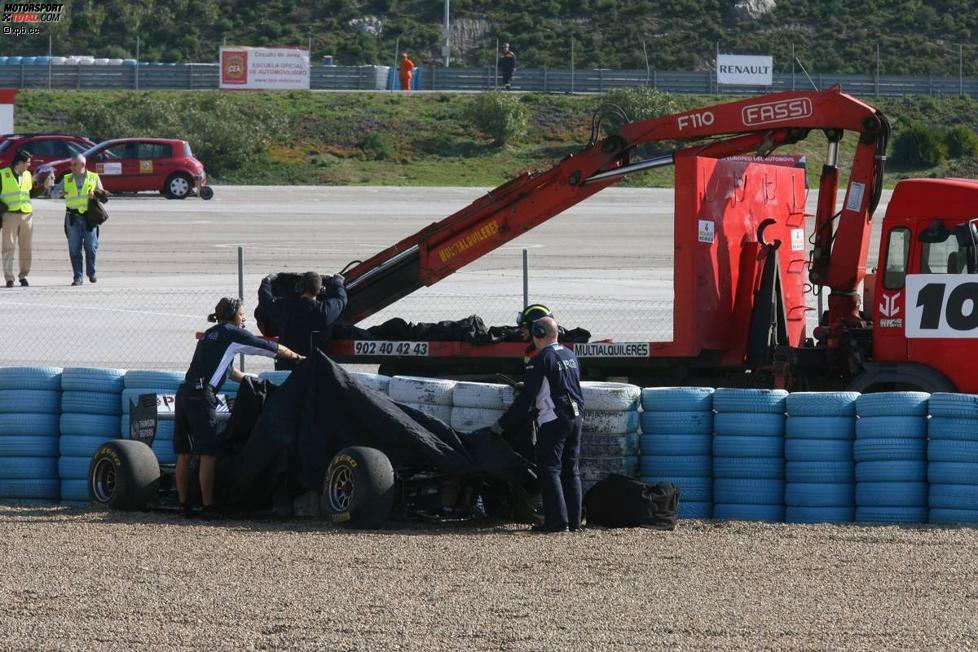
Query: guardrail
[195, 76]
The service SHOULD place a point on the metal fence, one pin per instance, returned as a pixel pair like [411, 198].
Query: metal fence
[379, 78]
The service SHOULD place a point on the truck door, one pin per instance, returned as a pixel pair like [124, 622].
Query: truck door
[889, 341]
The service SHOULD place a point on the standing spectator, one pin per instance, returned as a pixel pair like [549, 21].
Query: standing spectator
[16, 191]
[407, 71]
[77, 188]
[507, 65]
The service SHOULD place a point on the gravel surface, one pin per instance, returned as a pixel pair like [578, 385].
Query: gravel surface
[73, 579]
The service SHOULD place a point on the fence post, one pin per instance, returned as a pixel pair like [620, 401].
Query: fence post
[545, 80]
[572, 65]
[241, 363]
[433, 67]
[526, 278]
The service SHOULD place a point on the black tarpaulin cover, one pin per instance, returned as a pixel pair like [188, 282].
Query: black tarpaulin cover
[320, 410]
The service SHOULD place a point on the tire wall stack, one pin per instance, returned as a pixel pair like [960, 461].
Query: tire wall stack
[479, 405]
[90, 410]
[891, 458]
[819, 468]
[609, 441]
[748, 454]
[30, 402]
[952, 455]
[433, 396]
[677, 445]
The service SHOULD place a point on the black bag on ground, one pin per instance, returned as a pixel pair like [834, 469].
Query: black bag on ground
[620, 501]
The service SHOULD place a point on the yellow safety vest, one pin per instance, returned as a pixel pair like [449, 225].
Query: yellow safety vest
[76, 199]
[16, 195]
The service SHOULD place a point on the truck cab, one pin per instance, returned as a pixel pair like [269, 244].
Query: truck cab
[925, 298]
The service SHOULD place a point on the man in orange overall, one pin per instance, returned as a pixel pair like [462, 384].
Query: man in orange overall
[407, 71]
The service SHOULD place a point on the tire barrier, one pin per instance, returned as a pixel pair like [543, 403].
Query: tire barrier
[424, 391]
[890, 455]
[820, 481]
[952, 469]
[482, 395]
[609, 441]
[748, 454]
[677, 445]
[469, 419]
[30, 405]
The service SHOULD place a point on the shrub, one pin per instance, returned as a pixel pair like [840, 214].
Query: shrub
[641, 102]
[961, 142]
[377, 146]
[499, 115]
[919, 146]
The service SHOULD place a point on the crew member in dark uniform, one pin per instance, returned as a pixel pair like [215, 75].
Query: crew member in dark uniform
[552, 386]
[195, 431]
[297, 318]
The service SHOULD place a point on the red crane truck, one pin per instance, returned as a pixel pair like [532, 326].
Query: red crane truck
[741, 257]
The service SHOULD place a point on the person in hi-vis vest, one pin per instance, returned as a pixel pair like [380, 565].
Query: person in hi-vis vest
[77, 188]
[16, 191]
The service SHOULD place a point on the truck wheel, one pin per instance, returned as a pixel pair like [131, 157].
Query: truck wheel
[123, 474]
[206, 192]
[178, 186]
[358, 490]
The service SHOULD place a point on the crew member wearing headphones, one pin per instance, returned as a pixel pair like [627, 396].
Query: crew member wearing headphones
[524, 319]
[195, 431]
[552, 385]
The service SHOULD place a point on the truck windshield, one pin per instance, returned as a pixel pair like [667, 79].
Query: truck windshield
[945, 257]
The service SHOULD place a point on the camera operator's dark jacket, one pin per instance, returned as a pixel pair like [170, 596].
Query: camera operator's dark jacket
[296, 319]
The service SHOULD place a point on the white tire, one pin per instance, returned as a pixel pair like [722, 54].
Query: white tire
[610, 397]
[440, 412]
[430, 391]
[610, 423]
[482, 395]
[373, 381]
[466, 419]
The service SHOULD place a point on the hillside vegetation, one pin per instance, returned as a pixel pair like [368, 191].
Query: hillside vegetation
[445, 139]
[830, 36]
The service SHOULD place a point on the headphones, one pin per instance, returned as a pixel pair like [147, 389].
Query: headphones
[537, 330]
[231, 308]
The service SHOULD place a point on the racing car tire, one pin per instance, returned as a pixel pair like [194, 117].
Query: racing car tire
[358, 489]
[123, 474]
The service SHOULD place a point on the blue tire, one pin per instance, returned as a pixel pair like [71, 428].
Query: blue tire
[89, 425]
[883, 450]
[827, 472]
[30, 489]
[958, 406]
[819, 514]
[14, 446]
[83, 379]
[697, 490]
[676, 445]
[28, 468]
[724, 446]
[164, 451]
[677, 399]
[29, 425]
[821, 404]
[33, 401]
[71, 446]
[737, 424]
[73, 468]
[891, 494]
[891, 428]
[694, 466]
[748, 468]
[892, 471]
[42, 378]
[818, 450]
[811, 494]
[695, 510]
[892, 404]
[952, 450]
[954, 496]
[820, 427]
[153, 379]
[951, 516]
[75, 491]
[952, 473]
[753, 401]
[748, 492]
[677, 423]
[737, 512]
[891, 515]
[91, 403]
[952, 428]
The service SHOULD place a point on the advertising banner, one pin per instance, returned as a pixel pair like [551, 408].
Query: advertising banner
[745, 70]
[264, 68]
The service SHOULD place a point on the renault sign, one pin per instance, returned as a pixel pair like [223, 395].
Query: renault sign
[744, 70]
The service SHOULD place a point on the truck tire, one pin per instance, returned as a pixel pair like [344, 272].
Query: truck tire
[952, 450]
[891, 471]
[952, 473]
[953, 516]
[819, 514]
[30, 378]
[358, 489]
[37, 401]
[887, 427]
[124, 475]
[29, 489]
[962, 406]
[818, 450]
[954, 496]
[16, 446]
[893, 404]
[677, 423]
[84, 379]
[416, 389]
[676, 445]
[746, 468]
[89, 425]
[152, 380]
[28, 468]
[953, 428]
[824, 427]
[886, 515]
[819, 494]
[106, 403]
[749, 425]
[882, 377]
[884, 450]
[29, 425]
[821, 404]
[482, 395]
[677, 399]
[178, 186]
[753, 401]
[891, 494]
[828, 472]
[725, 446]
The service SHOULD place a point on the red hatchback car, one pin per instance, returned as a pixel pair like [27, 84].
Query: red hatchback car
[44, 148]
[164, 165]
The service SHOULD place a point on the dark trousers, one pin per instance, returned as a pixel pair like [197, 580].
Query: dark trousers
[558, 458]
